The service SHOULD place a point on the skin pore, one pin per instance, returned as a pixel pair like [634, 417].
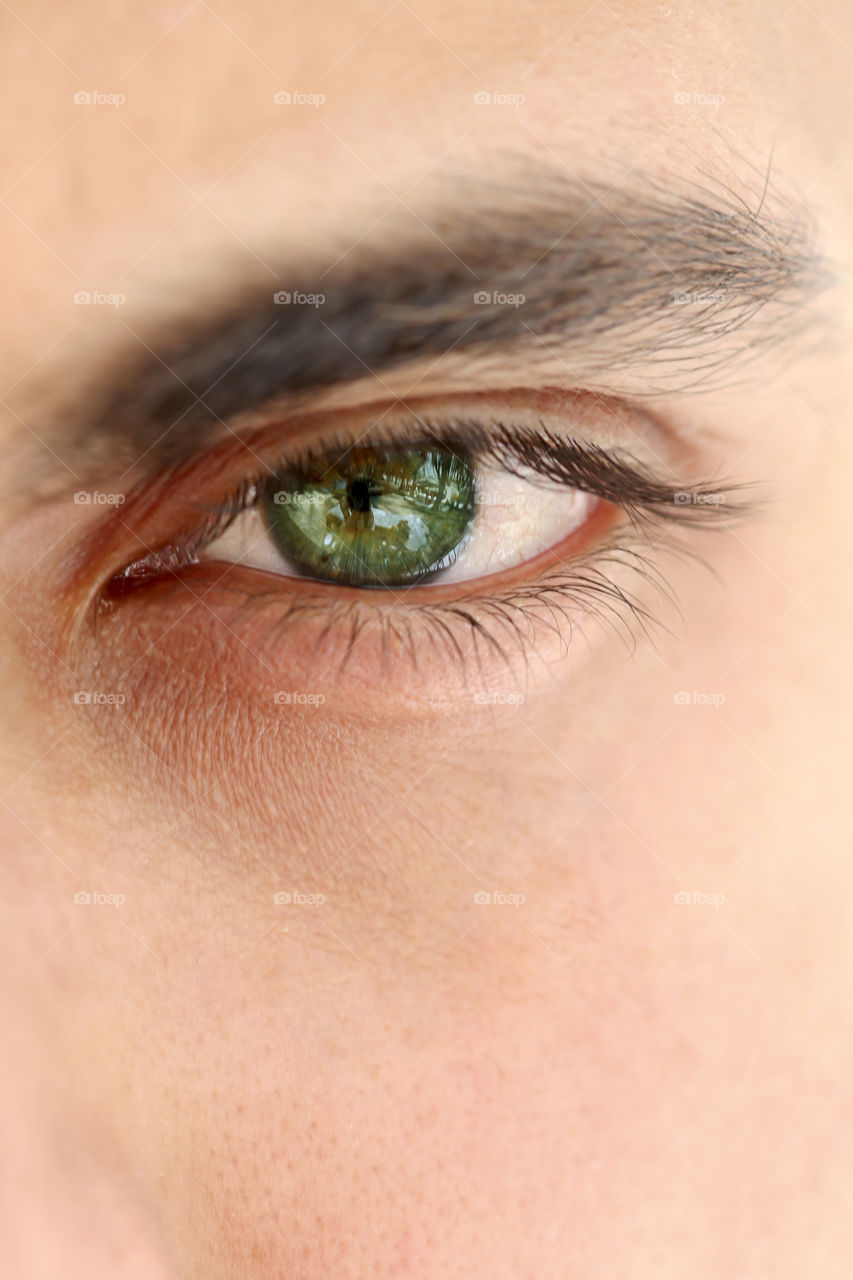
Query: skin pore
[475, 957]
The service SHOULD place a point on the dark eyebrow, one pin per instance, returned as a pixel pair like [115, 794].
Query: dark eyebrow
[680, 284]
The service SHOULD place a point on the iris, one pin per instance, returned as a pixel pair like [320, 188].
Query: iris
[373, 517]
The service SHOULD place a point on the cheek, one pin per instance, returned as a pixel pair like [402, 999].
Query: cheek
[484, 1117]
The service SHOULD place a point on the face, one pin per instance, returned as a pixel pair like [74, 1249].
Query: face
[425, 729]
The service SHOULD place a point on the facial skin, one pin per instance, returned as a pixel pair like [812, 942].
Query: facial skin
[633, 1059]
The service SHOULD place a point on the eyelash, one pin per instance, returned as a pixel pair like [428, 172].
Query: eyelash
[499, 616]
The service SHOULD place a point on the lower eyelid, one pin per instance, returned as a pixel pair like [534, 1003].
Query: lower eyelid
[374, 652]
[251, 634]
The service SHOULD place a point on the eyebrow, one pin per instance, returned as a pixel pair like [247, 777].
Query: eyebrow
[682, 285]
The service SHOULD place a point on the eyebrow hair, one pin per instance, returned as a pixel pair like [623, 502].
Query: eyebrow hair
[680, 284]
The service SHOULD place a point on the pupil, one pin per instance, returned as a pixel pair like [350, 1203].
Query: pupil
[358, 495]
[373, 518]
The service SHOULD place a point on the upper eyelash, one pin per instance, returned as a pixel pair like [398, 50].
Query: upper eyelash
[609, 474]
[615, 476]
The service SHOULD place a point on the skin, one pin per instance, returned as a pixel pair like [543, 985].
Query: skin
[600, 1080]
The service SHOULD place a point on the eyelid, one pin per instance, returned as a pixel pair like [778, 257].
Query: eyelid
[540, 453]
[143, 579]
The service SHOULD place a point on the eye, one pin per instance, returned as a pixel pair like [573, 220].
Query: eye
[399, 516]
[388, 541]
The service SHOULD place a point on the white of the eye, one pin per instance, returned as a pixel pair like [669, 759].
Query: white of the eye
[515, 520]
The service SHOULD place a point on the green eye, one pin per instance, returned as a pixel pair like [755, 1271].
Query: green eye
[373, 518]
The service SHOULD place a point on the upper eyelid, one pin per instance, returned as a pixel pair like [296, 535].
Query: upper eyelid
[644, 508]
[610, 474]
[193, 507]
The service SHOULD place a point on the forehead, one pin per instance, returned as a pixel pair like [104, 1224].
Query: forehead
[142, 142]
[161, 101]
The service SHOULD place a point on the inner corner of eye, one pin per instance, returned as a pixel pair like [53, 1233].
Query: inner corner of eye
[393, 518]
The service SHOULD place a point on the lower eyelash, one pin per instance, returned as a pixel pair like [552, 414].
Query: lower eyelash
[503, 625]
